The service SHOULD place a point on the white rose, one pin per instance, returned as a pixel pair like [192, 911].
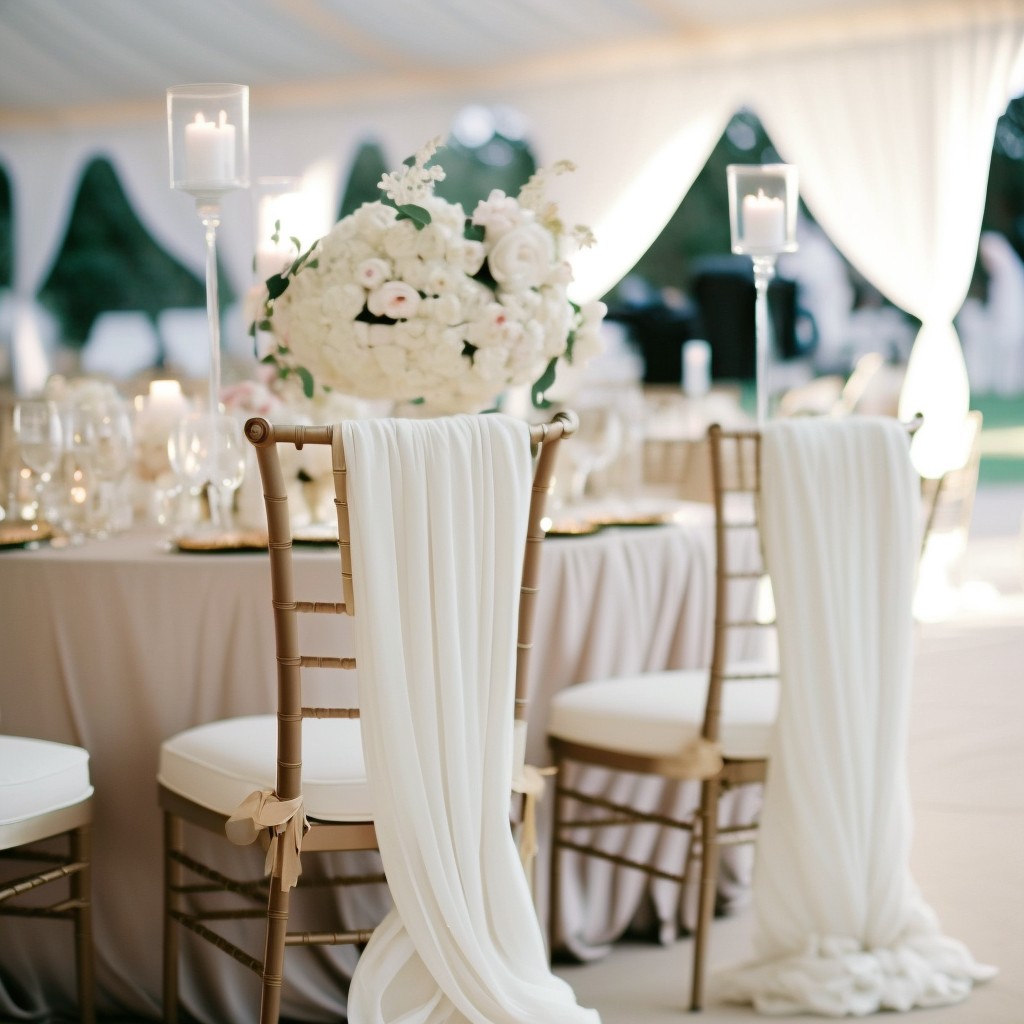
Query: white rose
[343, 302]
[489, 364]
[466, 254]
[373, 272]
[438, 278]
[372, 219]
[521, 258]
[444, 309]
[394, 299]
[400, 239]
[430, 242]
[560, 274]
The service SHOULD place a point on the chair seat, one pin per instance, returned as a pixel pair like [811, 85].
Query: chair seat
[38, 778]
[657, 714]
[219, 764]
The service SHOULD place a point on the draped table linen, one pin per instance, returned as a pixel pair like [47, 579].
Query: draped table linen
[840, 928]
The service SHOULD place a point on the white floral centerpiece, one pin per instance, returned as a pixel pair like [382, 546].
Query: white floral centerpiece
[307, 472]
[409, 299]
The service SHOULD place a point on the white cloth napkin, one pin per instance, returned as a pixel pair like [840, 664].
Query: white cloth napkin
[839, 927]
[438, 512]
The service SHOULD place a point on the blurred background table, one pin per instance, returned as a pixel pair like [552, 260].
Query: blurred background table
[115, 645]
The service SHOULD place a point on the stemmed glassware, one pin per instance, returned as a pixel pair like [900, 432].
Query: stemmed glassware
[109, 425]
[79, 484]
[207, 451]
[38, 434]
[596, 443]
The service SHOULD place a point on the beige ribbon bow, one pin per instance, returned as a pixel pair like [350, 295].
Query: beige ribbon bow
[701, 758]
[530, 782]
[262, 814]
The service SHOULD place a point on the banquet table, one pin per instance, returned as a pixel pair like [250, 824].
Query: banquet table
[115, 645]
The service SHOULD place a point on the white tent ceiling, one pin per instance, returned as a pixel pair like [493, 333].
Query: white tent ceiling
[887, 106]
[88, 61]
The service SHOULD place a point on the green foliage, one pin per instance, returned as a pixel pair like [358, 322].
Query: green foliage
[108, 260]
[471, 172]
[368, 167]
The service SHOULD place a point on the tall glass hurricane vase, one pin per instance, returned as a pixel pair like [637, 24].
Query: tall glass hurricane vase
[762, 218]
[208, 146]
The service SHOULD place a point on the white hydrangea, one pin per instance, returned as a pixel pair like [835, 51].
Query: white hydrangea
[418, 301]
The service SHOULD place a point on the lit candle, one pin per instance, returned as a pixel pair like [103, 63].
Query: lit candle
[165, 393]
[210, 151]
[696, 368]
[764, 223]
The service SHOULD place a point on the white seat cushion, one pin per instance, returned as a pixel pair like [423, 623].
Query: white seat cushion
[219, 764]
[37, 778]
[658, 714]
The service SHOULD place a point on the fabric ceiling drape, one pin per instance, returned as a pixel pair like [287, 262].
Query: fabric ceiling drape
[893, 142]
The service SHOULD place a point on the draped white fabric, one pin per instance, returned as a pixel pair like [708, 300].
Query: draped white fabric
[839, 927]
[900, 190]
[438, 512]
[889, 118]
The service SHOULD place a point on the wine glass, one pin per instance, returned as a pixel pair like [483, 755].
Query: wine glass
[595, 443]
[38, 435]
[110, 429]
[207, 451]
[79, 502]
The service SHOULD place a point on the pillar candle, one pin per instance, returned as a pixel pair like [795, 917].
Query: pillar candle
[210, 151]
[764, 224]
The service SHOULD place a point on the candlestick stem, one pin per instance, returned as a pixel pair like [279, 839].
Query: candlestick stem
[764, 271]
[209, 214]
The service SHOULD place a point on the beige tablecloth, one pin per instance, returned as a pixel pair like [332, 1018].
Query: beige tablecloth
[115, 645]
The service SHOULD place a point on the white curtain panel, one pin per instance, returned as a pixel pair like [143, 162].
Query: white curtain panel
[893, 141]
[638, 141]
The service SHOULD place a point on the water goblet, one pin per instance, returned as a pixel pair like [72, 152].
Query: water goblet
[595, 444]
[207, 451]
[38, 434]
[111, 432]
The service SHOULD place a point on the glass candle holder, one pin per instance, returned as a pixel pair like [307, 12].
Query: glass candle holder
[208, 138]
[208, 146]
[763, 201]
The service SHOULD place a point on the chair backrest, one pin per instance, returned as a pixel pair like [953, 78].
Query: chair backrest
[287, 607]
[744, 622]
[949, 499]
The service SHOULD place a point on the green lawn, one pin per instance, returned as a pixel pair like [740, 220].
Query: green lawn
[1002, 438]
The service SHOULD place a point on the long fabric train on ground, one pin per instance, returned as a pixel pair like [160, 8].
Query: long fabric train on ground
[437, 591]
[840, 928]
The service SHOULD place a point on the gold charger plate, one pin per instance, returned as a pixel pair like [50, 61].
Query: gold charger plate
[234, 540]
[573, 528]
[316, 533]
[18, 534]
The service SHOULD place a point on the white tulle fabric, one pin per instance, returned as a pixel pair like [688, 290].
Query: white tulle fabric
[438, 512]
[839, 927]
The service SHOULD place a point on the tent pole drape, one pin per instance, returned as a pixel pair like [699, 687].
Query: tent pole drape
[893, 144]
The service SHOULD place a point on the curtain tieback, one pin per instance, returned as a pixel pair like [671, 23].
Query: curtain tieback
[262, 814]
